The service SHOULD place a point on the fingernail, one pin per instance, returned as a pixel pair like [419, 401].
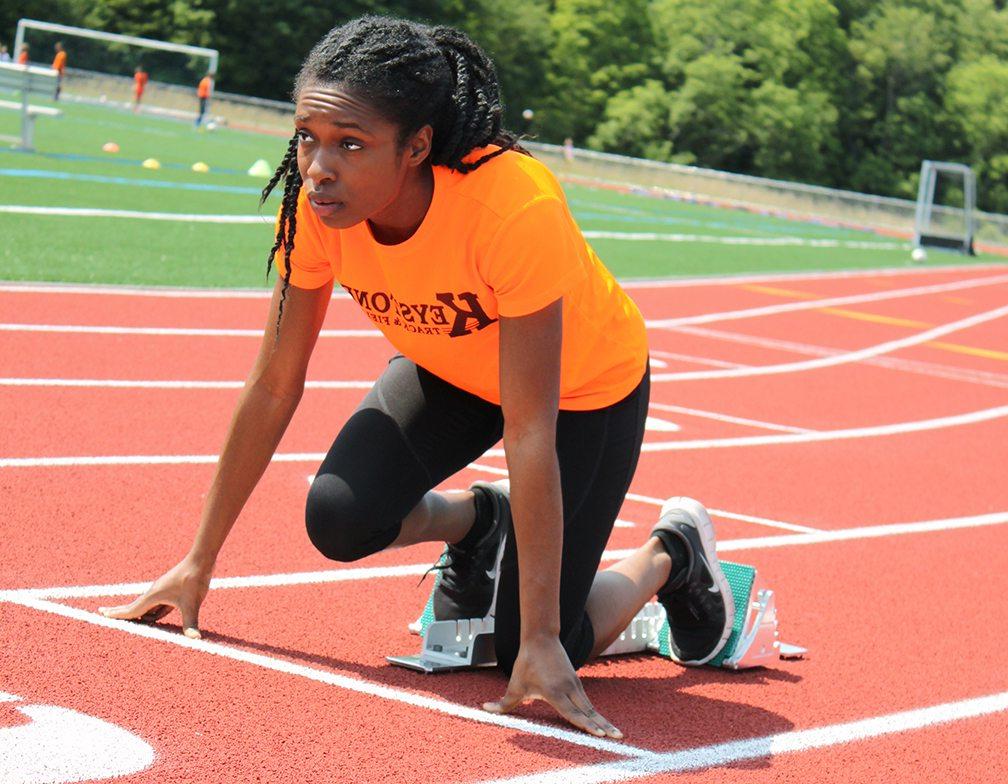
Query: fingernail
[617, 734]
[192, 634]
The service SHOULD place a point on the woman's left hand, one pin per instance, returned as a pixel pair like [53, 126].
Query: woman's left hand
[543, 671]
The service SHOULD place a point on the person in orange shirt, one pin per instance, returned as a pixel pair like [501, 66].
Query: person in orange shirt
[401, 184]
[140, 79]
[23, 55]
[59, 65]
[203, 90]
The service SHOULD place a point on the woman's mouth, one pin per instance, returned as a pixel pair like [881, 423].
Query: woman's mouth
[325, 208]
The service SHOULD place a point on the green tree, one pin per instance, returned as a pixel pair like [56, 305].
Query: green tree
[600, 48]
[978, 97]
[636, 123]
[753, 84]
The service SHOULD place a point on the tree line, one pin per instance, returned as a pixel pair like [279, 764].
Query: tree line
[845, 93]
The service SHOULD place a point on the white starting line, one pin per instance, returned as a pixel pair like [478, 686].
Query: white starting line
[638, 762]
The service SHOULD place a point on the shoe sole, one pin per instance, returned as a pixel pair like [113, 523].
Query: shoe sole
[705, 527]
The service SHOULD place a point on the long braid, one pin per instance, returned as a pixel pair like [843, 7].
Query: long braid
[287, 172]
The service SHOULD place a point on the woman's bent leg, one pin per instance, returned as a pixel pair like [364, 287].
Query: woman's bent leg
[410, 433]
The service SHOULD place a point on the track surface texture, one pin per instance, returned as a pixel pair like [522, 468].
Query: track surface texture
[848, 432]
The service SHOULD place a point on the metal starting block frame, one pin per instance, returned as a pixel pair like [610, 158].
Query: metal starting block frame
[754, 641]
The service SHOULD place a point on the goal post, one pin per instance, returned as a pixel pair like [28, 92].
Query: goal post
[937, 223]
[85, 32]
[101, 66]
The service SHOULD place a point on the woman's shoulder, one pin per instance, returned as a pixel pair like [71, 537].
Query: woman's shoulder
[506, 183]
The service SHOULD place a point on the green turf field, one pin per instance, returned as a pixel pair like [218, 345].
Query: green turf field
[69, 169]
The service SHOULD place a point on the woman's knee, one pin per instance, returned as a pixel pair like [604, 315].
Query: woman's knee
[340, 526]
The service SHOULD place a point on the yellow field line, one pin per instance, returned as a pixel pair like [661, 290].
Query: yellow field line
[858, 315]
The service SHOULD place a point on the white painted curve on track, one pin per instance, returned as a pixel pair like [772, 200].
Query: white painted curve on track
[836, 359]
[829, 302]
[955, 420]
[899, 428]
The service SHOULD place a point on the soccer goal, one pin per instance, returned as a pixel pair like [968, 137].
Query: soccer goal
[101, 66]
[946, 207]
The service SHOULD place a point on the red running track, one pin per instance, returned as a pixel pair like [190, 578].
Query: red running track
[290, 682]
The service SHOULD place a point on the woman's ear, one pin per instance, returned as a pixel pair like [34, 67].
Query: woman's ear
[418, 148]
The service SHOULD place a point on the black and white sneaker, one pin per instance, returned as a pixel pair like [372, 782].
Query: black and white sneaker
[468, 576]
[697, 597]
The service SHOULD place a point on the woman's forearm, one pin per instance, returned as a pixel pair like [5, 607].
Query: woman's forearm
[258, 423]
[537, 513]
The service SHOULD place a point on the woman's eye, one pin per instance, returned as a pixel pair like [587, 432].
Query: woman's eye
[352, 145]
[302, 136]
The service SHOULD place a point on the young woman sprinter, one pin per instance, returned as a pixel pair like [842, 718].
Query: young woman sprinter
[400, 184]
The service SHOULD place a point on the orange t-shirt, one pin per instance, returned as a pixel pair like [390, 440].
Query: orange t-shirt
[139, 81]
[23, 58]
[498, 241]
[59, 61]
[203, 90]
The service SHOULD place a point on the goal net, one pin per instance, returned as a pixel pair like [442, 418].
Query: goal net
[100, 66]
[946, 207]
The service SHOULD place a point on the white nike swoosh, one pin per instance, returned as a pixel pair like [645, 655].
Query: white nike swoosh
[714, 588]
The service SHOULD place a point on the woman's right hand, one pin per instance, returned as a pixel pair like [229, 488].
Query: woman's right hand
[183, 587]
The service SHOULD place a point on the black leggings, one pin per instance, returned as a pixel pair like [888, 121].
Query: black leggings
[413, 430]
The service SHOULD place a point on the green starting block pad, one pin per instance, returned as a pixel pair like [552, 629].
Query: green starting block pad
[754, 640]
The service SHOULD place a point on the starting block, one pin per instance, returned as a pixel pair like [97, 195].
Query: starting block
[754, 640]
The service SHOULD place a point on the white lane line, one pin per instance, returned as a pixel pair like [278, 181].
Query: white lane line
[174, 331]
[409, 570]
[660, 446]
[690, 358]
[899, 428]
[838, 359]
[114, 383]
[354, 684]
[814, 304]
[972, 376]
[93, 212]
[659, 502]
[726, 418]
[717, 239]
[769, 746]
[654, 324]
[175, 292]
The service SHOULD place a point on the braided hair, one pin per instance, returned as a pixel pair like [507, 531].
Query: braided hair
[414, 75]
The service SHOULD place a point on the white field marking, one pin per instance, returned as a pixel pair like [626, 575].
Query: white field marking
[690, 358]
[657, 425]
[661, 446]
[840, 535]
[353, 684]
[907, 365]
[176, 292]
[648, 236]
[815, 304]
[733, 752]
[59, 745]
[652, 324]
[659, 502]
[899, 428]
[154, 384]
[176, 331]
[726, 418]
[19, 595]
[112, 383]
[623, 524]
[659, 363]
[838, 359]
[92, 212]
